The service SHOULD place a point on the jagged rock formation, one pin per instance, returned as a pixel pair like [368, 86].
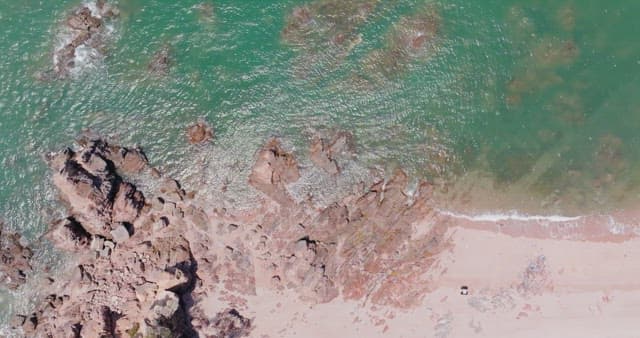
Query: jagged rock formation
[364, 246]
[97, 196]
[14, 259]
[126, 281]
[154, 265]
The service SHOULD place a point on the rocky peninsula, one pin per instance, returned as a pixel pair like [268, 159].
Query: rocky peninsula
[151, 265]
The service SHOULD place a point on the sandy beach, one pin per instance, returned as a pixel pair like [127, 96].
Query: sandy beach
[518, 287]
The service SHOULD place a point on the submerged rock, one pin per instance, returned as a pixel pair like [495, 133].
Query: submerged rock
[325, 32]
[161, 61]
[14, 259]
[412, 39]
[199, 132]
[206, 11]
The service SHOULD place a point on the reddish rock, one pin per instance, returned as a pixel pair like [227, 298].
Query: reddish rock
[162, 278]
[199, 132]
[127, 204]
[128, 160]
[83, 28]
[230, 323]
[82, 19]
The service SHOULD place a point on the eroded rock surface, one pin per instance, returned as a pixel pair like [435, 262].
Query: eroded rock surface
[127, 281]
[97, 196]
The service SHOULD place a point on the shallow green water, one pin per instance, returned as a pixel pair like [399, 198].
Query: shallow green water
[538, 96]
[506, 84]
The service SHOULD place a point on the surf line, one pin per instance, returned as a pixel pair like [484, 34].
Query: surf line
[509, 216]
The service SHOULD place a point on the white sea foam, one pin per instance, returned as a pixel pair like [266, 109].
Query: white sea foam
[93, 7]
[509, 216]
[86, 55]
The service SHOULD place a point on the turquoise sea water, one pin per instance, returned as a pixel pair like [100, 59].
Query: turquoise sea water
[531, 102]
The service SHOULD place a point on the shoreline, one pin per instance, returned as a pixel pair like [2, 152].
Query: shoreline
[492, 191]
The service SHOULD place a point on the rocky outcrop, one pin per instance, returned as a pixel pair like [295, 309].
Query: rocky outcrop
[413, 38]
[364, 247]
[14, 259]
[138, 289]
[128, 280]
[165, 266]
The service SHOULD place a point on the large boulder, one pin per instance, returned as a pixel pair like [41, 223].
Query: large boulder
[273, 170]
[128, 160]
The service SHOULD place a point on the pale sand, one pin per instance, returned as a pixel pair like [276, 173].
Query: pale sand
[586, 289]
